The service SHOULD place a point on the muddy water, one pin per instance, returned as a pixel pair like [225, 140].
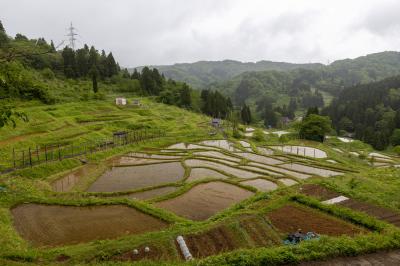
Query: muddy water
[261, 184]
[136, 177]
[153, 156]
[288, 181]
[302, 151]
[311, 170]
[205, 200]
[259, 158]
[223, 144]
[245, 144]
[265, 151]
[67, 182]
[261, 170]
[185, 146]
[51, 225]
[133, 161]
[201, 173]
[281, 170]
[216, 154]
[227, 169]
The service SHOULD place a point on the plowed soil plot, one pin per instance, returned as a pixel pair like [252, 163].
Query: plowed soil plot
[67, 182]
[136, 177]
[46, 225]
[205, 200]
[290, 218]
[386, 258]
[318, 192]
[260, 232]
[212, 242]
[373, 210]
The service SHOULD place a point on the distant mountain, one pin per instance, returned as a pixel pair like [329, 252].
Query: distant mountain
[203, 73]
[347, 72]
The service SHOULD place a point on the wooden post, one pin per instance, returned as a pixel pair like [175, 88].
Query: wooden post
[37, 154]
[14, 157]
[30, 156]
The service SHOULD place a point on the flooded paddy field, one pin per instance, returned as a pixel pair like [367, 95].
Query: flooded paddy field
[153, 156]
[264, 171]
[152, 193]
[227, 169]
[205, 200]
[201, 173]
[135, 177]
[281, 170]
[302, 151]
[68, 181]
[217, 155]
[54, 225]
[261, 184]
[223, 144]
[288, 181]
[259, 158]
[311, 170]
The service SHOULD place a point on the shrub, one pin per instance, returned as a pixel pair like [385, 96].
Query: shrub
[397, 150]
[258, 135]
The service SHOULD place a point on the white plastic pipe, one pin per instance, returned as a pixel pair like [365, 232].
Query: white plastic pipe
[184, 248]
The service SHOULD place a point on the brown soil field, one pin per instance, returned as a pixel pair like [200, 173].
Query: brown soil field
[155, 254]
[67, 182]
[136, 177]
[381, 213]
[373, 210]
[382, 258]
[50, 225]
[290, 218]
[217, 240]
[318, 192]
[260, 232]
[205, 200]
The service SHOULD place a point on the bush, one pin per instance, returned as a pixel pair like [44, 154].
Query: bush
[258, 135]
[397, 150]
[47, 73]
[99, 96]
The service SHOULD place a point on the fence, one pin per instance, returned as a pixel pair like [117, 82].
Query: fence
[48, 153]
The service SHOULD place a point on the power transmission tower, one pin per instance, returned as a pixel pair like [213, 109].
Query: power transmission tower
[71, 34]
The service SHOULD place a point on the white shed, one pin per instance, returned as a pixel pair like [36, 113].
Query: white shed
[120, 101]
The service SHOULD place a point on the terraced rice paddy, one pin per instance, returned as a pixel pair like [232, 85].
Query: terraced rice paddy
[259, 158]
[261, 184]
[67, 182]
[152, 193]
[205, 200]
[223, 144]
[288, 182]
[51, 225]
[227, 169]
[302, 151]
[281, 170]
[127, 178]
[311, 170]
[201, 173]
[218, 155]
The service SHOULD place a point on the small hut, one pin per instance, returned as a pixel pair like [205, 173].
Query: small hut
[120, 101]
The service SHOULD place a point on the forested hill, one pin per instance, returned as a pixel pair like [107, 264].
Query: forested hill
[370, 111]
[346, 72]
[201, 74]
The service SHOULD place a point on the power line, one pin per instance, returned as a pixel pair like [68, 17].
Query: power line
[71, 34]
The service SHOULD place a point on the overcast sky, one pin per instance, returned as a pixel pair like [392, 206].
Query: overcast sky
[146, 32]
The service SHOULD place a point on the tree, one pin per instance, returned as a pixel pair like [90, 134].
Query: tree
[3, 36]
[186, 99]
[8, 114]
[69, 62]
[135, 74]
[111, 65]
[315, 127]
[395, 138]
[82, 60]
[312, 110]
[245, 114]
[94, 73]
[52, 47]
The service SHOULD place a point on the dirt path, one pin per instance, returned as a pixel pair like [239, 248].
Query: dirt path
[386, 258]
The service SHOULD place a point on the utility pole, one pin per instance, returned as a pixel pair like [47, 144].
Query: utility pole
[71, 34]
